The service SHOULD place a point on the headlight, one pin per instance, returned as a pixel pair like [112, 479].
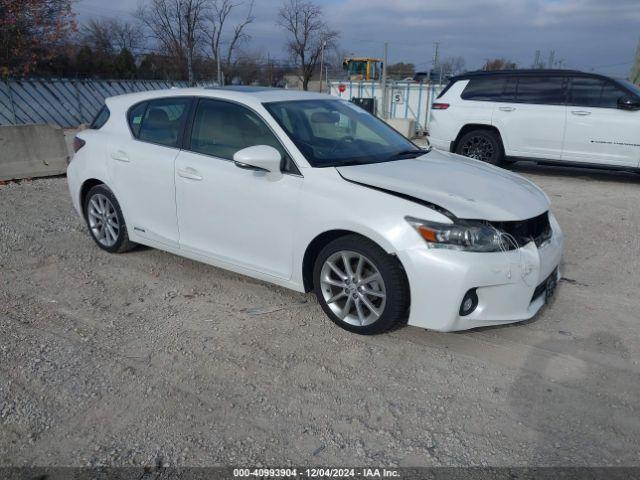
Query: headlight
[465, 235]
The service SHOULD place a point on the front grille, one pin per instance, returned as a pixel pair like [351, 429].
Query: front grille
[537, 229]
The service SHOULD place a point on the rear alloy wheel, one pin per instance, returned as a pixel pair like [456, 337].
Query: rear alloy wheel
[483, 145]
[105, 221]
[359, 286]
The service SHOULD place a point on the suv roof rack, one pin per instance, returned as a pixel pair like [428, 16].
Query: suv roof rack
[536, 71]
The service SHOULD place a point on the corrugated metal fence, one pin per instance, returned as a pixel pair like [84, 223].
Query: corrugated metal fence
[64, 102]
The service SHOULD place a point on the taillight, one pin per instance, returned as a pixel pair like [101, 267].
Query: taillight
[78, 143]
[440, 106]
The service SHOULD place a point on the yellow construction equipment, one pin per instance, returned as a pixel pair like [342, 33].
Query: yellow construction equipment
[362, 68]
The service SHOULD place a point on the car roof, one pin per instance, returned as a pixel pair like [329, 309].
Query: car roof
[238, 93]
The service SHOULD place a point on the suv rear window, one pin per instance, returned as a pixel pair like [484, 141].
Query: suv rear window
[487, 89]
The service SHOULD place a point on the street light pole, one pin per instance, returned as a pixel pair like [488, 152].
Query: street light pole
[384, 81]
[324, 44]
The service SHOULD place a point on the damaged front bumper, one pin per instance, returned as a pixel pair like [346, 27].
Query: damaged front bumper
[510, 286]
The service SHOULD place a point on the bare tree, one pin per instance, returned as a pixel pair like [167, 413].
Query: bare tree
[308, 35]
[452, 65]
[127, 35]
[214, 27]
[111, 35]
[97, 34]
[176, 25]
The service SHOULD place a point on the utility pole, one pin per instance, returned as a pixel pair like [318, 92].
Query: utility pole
[324, 44]
[384, 81]
[536, 61]
[326, 69]
[436, 61]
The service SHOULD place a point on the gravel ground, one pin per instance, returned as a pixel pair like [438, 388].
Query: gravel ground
[146, 358]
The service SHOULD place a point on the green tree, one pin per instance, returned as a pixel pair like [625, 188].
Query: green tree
[85, 64]
[124, 65]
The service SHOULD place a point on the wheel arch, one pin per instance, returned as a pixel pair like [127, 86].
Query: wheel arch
[477, 126]
[321, 240]
[84, 190]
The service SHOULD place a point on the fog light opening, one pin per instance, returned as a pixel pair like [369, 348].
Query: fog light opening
[469, 303]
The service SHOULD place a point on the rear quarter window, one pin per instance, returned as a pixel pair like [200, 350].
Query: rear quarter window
[101, 118]
[488, 89]
[135, 118]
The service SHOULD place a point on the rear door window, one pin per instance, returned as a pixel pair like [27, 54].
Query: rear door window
[541, 90]
[163, 121]
[510, 89]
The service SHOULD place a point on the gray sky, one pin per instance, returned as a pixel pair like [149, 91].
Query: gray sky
[599, 35]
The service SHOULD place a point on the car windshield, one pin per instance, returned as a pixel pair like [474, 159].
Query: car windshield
[630, 86]
[334, 133]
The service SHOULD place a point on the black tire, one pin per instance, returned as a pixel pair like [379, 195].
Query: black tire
[395, 309]
[481, 144]
[122, 243]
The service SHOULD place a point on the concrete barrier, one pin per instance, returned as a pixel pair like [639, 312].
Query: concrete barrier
[405, 126]
[28, 151]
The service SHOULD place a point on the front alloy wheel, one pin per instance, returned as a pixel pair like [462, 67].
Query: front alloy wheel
[353, 288]
[359, 286]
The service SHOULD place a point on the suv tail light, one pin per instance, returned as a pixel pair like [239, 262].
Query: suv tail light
[440, 106]
[78, 143]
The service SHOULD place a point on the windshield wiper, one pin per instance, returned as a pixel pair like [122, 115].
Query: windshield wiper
[407, 154]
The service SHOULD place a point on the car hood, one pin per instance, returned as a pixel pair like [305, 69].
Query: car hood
[467, 188]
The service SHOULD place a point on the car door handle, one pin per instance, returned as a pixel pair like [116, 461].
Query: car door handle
[507, 109]
[580, 113]
[120, 156]
[190, 173]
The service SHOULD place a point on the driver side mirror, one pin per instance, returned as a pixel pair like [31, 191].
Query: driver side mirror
[629, 103]
[259, 158]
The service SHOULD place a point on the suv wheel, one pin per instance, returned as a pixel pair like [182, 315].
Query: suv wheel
[481, 145]
[105, 221]
[361, 287]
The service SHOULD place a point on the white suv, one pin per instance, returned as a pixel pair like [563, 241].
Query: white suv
[551, 116]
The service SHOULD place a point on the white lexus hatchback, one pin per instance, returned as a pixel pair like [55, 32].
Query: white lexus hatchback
[311, 192]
